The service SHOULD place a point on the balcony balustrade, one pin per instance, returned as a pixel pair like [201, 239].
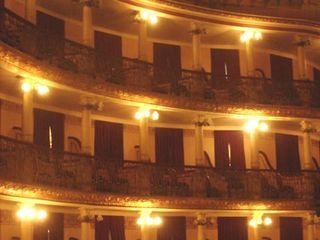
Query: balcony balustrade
[70, 56]
[27, 163]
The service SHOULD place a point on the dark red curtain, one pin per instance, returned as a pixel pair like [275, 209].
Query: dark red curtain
[109, 55]
[43, 120]
[50, 42]
[221, 141]
[169, 147]
[225, 65]
[281, 69]
[108, 141]
[173, 228]
[232, 228]
[291, 228]
[110, 225]
[287, 152]
[52, 228]
[316, 90]
[167, 63]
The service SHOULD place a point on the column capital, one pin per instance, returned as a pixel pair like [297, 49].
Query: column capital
[203, 220]
[92, 103]
[89, 3]
[307, 126]
[86, 216]
[201, 122]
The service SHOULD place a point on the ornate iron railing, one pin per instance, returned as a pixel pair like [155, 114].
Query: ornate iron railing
[27, 163]
[71, 56]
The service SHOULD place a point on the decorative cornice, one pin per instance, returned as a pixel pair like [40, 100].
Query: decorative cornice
[20, 63]
[17, 191]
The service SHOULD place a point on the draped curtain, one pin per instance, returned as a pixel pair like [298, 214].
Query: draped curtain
[291, 228]
[52, 228]
[108, 141]
[167, 63]
[110, 226]
[231, 157]
[43, 120]
[287, 152]
[173, 228]
[225, 65]
[232, 228]
[169, 147]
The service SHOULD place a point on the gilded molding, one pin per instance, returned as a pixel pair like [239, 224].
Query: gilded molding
[20, 63]
[15, 190]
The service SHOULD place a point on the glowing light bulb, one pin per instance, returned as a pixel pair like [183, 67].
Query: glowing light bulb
[144, 15]
[138, 115]
[157, 221]
[267, 221]
[155, 116]
[153, 19]
[146, 113]
[263, 127]
[253, 223]
[42, 89]
[251, 125]
[257, 35]
[26, 87]
[41, 215]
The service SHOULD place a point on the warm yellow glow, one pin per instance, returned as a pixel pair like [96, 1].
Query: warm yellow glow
[150, 221]
[250, 34]
[253, 223]
[263, 127]
[42, 89]
[138, 115]
[251, 125]
[26, 87]
[31, 214]
[155, 116]
[267, 221]
[148, 16]
[146, 113]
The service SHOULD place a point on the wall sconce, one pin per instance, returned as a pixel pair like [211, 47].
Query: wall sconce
[257, 220]
[31, 214]
[28, 86]
[147, 16]
[150, 221]
[154, 115]
[250, 34]
[252, 125]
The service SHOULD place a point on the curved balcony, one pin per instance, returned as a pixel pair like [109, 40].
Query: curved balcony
[79, 59]
[25, 163]
[292, 9]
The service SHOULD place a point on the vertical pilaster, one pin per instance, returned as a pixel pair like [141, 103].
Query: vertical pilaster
[253, 150]
[144, 139]
[86, 129]
[307, 129]
[310, 227]
[27, 116]
[301, 58]
[199, 144]
[249, 57]
[142, 40]
[26, 230]
[30, 10]
[196, 44]
[87, 25]
[86, 218]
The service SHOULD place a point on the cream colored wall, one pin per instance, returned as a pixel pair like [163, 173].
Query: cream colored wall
[73, 31]
[266, 143]
[205, 60]
[10, 117]
[243, 62]
[261, 60]
[129, 47]
[16, 6]
[189, 152]
[130, 139]
[186, 57]
[72, 128]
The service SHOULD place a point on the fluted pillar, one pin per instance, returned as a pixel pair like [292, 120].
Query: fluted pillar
[201, 223]
[86, 219]
[27, 116]
[249, 57]
[301, 58]
[26, 230]
[307, 129]
[310, 227]
[87, 31]
[199, 144]
[30, 10]
[142, 40]
[144, 139]
[196, 44]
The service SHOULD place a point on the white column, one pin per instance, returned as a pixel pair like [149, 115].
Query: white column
[196, 35]
[86, 129]
[144, 139]
[253, 150]
[307, 129]
[142, 41]
[199, 144]
[26, 230]
[310, 227]
[85, 219]
[87, 25]
[249, 57]
[201, 223]
[302, 64]
[27, 116]
[30, 10]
